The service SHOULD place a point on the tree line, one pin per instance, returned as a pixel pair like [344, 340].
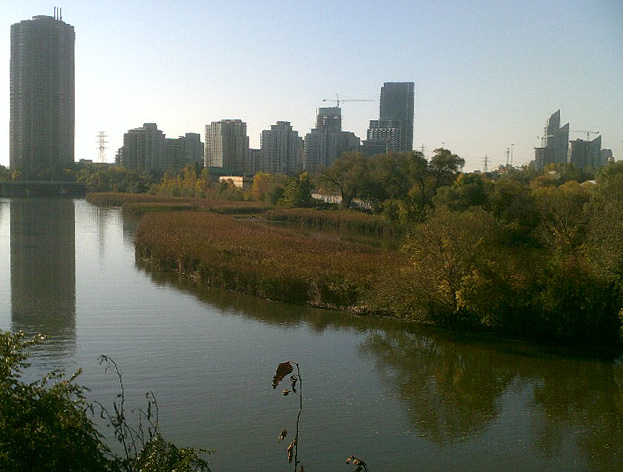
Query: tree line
[525, 253]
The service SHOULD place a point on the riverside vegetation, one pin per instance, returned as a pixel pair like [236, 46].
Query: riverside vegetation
[537, 255]
[521, 253]
[48, 425]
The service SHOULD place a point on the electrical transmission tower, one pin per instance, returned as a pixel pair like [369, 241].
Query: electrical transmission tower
[101, 140]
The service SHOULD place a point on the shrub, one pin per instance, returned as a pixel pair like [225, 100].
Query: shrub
[46, 425]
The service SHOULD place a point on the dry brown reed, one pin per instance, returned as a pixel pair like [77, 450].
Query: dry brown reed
[271, 262]
[343, 220]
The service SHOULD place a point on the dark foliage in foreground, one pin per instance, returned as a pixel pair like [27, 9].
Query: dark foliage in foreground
[48, 425]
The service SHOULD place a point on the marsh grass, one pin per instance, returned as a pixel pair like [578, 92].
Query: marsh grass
[342, 220]
[270, 262]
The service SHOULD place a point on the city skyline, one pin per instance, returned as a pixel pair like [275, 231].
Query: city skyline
[487, 73]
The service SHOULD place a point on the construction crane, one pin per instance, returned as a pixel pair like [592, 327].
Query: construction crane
[588, 133]
[339, 100]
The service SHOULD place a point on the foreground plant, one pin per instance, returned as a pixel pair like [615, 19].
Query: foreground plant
[144, 447]
[296, 388]
[47, 425]
[284, 369]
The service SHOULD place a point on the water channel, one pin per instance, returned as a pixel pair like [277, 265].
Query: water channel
[398, 396]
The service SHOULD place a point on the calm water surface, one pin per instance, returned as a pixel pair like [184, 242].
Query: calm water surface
[399, 397]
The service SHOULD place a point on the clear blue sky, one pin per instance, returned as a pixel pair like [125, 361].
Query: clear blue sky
[487, 73]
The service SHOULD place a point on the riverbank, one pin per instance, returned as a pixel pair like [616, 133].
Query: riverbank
[271, 262]
[460, 270]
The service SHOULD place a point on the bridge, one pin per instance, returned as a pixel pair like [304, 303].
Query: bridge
[36, 188]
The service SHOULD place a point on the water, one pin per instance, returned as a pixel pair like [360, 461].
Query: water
[400, 397]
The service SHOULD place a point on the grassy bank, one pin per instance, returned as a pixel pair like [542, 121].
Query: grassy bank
[343, 220]
[269, 262]
[137, 204]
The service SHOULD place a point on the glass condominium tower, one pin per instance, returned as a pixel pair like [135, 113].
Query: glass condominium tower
[396, 110]
[42, 96]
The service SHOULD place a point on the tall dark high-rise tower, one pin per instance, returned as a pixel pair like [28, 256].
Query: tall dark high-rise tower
[397, 102]
[393, 131]
[42, 96]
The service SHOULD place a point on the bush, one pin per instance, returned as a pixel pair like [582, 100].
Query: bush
[47, 425]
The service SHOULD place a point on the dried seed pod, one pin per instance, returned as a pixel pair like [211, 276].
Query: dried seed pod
[283, 369]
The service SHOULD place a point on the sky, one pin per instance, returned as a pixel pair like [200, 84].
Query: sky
[487, 73]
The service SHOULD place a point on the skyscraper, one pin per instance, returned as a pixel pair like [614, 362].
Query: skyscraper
[326, 142]
[586, 154]
[554, 143]
[227, 146]
[143, 148]
[393, 131]
[42, 96]
[281, 149]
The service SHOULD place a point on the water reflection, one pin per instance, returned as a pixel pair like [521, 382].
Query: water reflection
[471, 392]
[43, 272]
[451, 390]
[586, 398]
[455, 390]
[258, 309]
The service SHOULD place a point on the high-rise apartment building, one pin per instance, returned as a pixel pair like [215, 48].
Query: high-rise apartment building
[586, 154]
[383, 137]
[143, 148]
[282, 149]
[393, 131]
[227, 146]
[397, 109]
[554, 143]
[326, 142]
[42, 93]
[182, 151]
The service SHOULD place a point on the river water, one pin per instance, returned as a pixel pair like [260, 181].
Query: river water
[400, 397]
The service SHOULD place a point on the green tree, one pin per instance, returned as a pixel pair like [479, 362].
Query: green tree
[514, 207]
[5, 173]
[44, 425]
[469, 190]
[604, 243]
[563, 215]
[114, 179]
[297, 192]
[444, 167]
[444, 250]
[349, 175]
[400, 184]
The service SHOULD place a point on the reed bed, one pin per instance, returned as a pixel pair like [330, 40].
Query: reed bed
[226, 207]
[343, 220]
[118, 199]
[270, 262]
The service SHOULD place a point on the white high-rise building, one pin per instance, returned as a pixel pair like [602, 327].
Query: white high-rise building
[227, 146]
[281, 149]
